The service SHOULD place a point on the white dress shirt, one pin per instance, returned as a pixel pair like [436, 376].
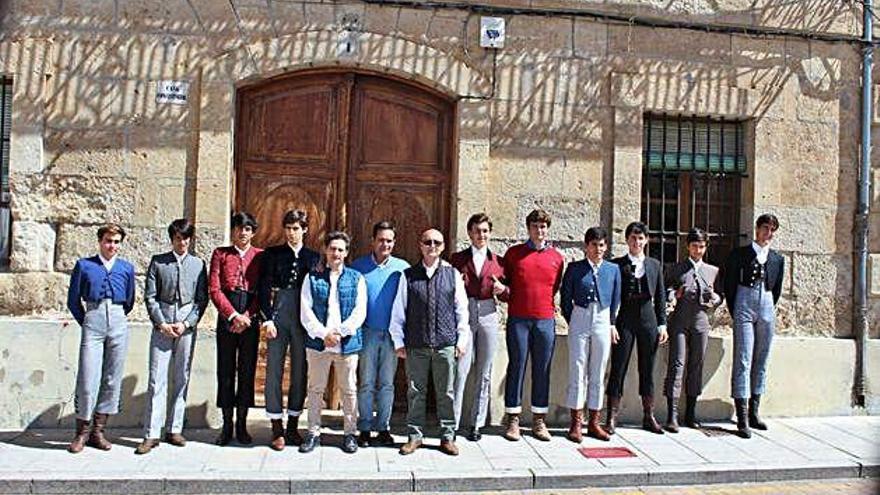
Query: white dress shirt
[761, 252]
[318, 330]
[479, 257]
[398, 310]
[108, 264]
[639, 263]
[179, 257]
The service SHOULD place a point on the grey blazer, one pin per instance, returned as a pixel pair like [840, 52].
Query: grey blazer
[691, 309]
[175, 293]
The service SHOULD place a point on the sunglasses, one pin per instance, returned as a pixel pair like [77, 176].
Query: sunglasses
[431, 242]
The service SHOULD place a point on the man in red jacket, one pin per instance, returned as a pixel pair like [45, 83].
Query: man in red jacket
[533, 271]
[232, 285]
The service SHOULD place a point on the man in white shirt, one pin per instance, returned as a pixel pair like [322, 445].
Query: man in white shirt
[429, 327]
[333, 307]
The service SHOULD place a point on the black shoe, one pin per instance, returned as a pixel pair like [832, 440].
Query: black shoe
[349, 444]
[383, 439]
[309, 443]
[474, 435]
[225, 435]
[363, 439]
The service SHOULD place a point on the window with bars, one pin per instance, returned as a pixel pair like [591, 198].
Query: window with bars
[5, 131]
[693, 169]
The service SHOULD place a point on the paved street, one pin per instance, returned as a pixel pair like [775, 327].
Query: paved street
[845, 448]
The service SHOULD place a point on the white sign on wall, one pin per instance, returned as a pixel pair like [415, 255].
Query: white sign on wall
[492, 32]
[174, 92]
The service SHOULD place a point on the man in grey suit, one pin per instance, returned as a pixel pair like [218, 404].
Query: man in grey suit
[691, 286]
[176, 295]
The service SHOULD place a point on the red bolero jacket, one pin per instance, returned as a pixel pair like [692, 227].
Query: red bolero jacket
[479, 285]
[229, 272]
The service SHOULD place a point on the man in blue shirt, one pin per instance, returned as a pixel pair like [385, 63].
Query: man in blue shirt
[378, 362]
[100, 296]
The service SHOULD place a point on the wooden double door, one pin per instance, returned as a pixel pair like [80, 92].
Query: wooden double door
[350, 149]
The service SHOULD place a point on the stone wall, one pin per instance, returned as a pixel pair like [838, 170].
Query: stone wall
[554, 119]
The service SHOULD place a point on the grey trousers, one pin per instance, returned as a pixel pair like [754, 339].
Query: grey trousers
[687, 351]
[484, 327]
[422, 362]
[102, 350]
[589, 346]
[291, 337]
[168, 355]
[754, 321]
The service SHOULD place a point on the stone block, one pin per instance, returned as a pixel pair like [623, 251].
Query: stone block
[85, 152]
[470, 481]
[549, 127]
[140, 244]
[360, 482]
[87, 199]
[159, 153]
[43, 293]
[648, 43]
[26, 149]
[808, 470]
[128, 485]
[874, 274]
[33, 247]
[590, 39]
[552, 479]
[211, 483]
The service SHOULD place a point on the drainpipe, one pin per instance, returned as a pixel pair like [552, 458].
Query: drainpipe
[860, 290]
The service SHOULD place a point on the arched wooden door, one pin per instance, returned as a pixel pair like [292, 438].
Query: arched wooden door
[351, 149]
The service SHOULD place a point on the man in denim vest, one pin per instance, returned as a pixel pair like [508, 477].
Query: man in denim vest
[333, 306]
[429, 327]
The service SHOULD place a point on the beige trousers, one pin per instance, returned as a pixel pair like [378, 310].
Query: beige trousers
[346, 379]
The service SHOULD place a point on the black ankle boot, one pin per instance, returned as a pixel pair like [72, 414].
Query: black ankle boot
[742, 421]
[690, 413]
[241, 433]
[225, 435]
[754, 419]
[671, 415]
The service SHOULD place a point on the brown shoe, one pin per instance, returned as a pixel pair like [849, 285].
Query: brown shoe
[96, 436]
[146, 446]
[80, 437]
[176, 439]
[511, 422]
[611, 419]
[575, 428]
[277, 442]
[594, 429]
[539, 428]
[448, 447]
[649, 423]
[410, 446]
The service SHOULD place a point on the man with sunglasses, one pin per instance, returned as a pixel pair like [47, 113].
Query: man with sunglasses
[100, 296]
[429, 327]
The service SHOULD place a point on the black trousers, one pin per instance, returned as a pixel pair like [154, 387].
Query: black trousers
[637, 326]
[236, 357]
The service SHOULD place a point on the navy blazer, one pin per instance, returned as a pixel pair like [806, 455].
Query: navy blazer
[578, 277]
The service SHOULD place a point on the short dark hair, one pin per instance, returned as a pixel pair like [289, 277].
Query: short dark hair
[383, 225]
[635, 228]
[243, 219]
[295, 216]
[478, 218]
[595, 234]
[697, 235]
[538, 216]
[112, 229]
[183, 227]
[767, 219]
[335, 236]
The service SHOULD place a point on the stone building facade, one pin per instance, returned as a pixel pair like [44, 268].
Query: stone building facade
[556, 118]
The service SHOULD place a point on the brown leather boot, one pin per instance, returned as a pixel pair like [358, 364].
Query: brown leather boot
[575, 428]
[146, 446]
[411, 446]
[80, 437]
[511, 423]
[594, 428]
[277, 442]
[648, 421]
[611, 419]
[96, 436]
[539, 428]
[448, 447]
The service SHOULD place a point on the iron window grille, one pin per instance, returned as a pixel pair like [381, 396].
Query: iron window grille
[693, 169]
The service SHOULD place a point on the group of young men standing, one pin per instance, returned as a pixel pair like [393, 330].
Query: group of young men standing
[441, 317]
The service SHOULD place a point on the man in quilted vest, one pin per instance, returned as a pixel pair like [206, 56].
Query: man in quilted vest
[333, 307]
[429, 327]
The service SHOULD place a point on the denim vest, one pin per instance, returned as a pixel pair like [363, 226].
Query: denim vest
[347, 288]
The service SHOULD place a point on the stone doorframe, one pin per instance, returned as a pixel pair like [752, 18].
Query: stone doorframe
[213, 89]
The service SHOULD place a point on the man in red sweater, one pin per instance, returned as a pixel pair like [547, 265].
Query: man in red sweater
[533, 271]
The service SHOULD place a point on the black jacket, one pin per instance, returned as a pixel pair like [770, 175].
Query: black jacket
[741, 258]
[654, 276]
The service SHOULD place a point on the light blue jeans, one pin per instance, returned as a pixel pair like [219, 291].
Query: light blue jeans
[754, 320]
[377, 366]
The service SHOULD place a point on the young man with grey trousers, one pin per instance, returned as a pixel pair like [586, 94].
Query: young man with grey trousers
[176, 294]
[482, 271]
[100, 296]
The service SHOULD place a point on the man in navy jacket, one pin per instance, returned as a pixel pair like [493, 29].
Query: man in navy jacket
[100, 296]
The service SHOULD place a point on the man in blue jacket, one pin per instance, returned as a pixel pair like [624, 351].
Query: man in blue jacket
[333, 306]
[590, 298]
[100, 296]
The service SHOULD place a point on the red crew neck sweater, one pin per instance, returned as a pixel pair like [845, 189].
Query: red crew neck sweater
[533, 277]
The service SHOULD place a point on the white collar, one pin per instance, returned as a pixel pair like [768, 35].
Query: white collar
[108, 264]
[484, 251]
[295, 249]
[696, 264]
[636, 259]
[432, 267]
[595, 266]
[240, 252]
[179, 257]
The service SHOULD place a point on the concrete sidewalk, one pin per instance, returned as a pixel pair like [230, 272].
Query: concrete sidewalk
[799, 448]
